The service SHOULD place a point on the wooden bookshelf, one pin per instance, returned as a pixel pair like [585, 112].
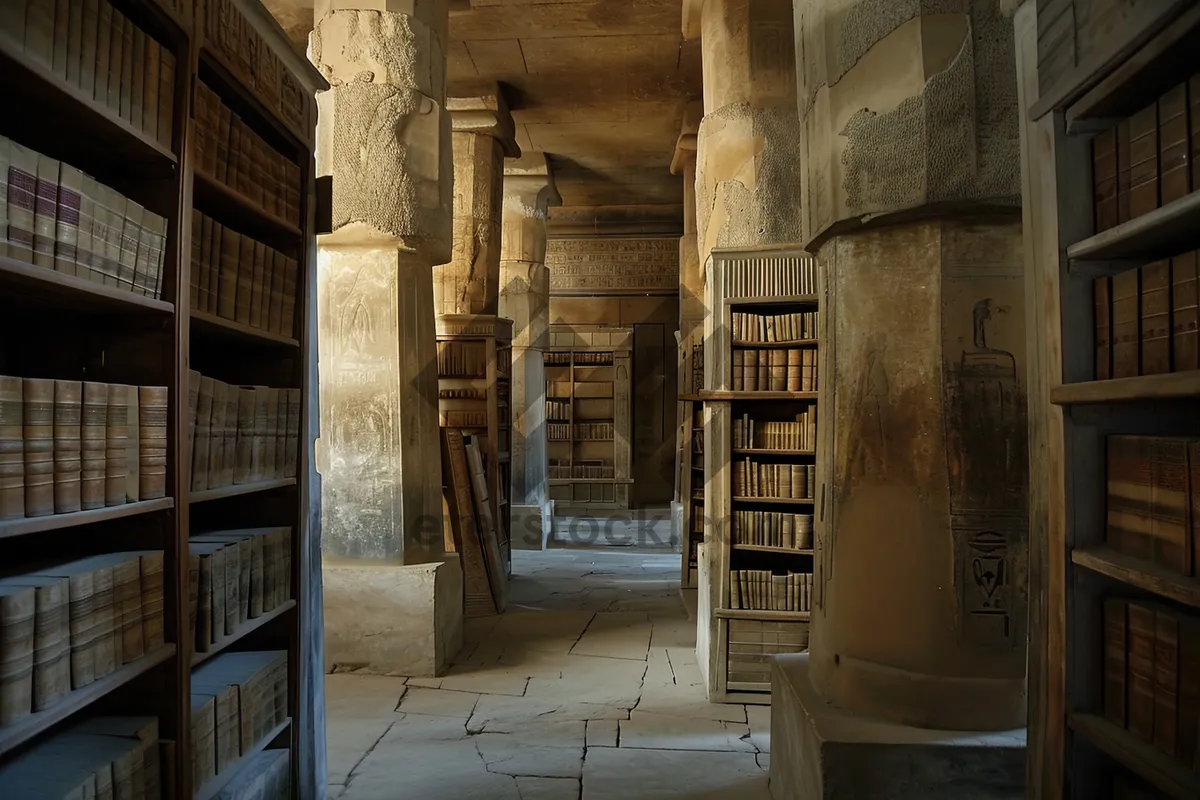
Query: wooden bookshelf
[692, 479]
[759, 444]
[588, 405]
[56, 324]
[1103, 230]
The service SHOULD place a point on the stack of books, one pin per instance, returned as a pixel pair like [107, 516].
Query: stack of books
[462, 359]
[761, 590]
[774, 370]
[752, 328]
[773, 529]
[235, 576]
[754, 479]
[752, 434]
[1153, 500]
[1147, 320]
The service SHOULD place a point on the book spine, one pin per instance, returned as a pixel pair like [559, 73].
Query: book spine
[108, 631]
[245, 280]
[150, 88]
[39, 446]
[216, 447]
[204, 433]
[153, 600]
[1116, 653]
[1166, 680]
[81, 624]
[66, 231]
[152, 441]
[93, 439]
[1141, 705]
[84, 251]
[116, 435]
[12, 453]
[1125, 327]
[127, 580]
[1155, 314]
[1185, 312]
[1168, 513]
[259, 446]
[257, 282]
[270, 435]
[290, 278]
[17, 610]
[125, 98]
[281, 437]
[293, 432]
[131, 234]
[1104, 174]
[45, 212]
[22, 201]
[214, 266]
[39, 32]
[116, 47]
[87, 47]
[68, 446]
[104, 24]
[1175, 174]
[1103, 325]
[1143, 166]
[166, 91]
[51, 645]
[137, 69]
[230, 251]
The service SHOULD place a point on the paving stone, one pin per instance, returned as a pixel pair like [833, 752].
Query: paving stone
[427, 769]
[362, 696]
[497, 712]
[759, 719]
[347, 741]
[602, 733]
[548, 788]
[616, 635]
[334, 790]
[648, 730]
[511, 754]
[492, 679]
[617, 773]
[552, 631]
[439, 703]
[688, 701]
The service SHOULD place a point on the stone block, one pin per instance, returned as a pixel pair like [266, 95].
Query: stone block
[400, 620]
[532, 526]
[821, 751]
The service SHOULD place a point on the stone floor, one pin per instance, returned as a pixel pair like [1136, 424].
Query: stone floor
[586, 688]
[644, 527]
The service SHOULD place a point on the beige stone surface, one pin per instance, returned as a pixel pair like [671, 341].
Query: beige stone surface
[653, 731]
[438, 702]
[548, 788]
[614, 773]
[616, 636]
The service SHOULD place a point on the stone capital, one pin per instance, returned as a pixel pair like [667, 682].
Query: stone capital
[485, 114]
[529, 187]
[685, 144]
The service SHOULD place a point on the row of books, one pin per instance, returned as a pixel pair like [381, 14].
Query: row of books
[235, 576]
[462, 359]
[697, 444]
[697, 368]
[241, 434]
[1152, 676]
[65, 626]
[591, 358]
[229, 152]
[460, 418]
[53, 215]
[1148, 319]
[558, 431]
[755, 434]
[1153, 500]
[68, 446]
[557, 359]
[762, 590]
[1150, 159]
[792, 370]
[593, 468]
[238, 278]
[773, 529]
[96, 49]
[759, 277]
[756, 479]
[237, 700]
[101, 757]
[752, 328]
[559, 410]
[470, 393]
[593, 431]
[252, 61]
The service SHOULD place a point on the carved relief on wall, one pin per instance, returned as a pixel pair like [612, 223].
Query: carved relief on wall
[613, 266]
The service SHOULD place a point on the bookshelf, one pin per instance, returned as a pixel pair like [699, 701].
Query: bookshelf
[588, 371]
[1113, 689]
[104, 337]
[474, 377]
[759, 428]
[691, 473]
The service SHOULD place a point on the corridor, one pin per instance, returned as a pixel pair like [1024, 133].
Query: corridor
[587, 687]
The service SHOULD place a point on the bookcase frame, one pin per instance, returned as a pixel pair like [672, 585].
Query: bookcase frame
[111, 335]
[1074, 750]
[691, 488]
[574, 340]
[743, 280]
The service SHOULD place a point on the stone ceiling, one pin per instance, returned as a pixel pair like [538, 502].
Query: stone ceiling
[598, 85]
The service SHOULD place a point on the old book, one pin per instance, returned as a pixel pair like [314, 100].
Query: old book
[132, 449]
[111, 208]
[1172, 544]
[152, 441]
[116, 47]
[60, 43]
[1129, 482]
[85, 246]
[224, 131]
[137, 87]
[143, 270]
[216, 447]
[45, 211]
[105, 616]
[1175, 173]
[150, 563]
[210, 623]
[127, 603]
[80, 577]
[281, 423]
[89, 18]
[1124, 166]
[241, 569]
[166, 91]
[1141, 705]
[737, 370]
[293, 432]
[131, 233]
[51, 637]
[290, 279]
[1103, 326]
[259, 260]
[245, 280]
[39, 32]
[229, 459]
[12, 453]
[66, 225]
[93, 446]
[156, 230]
[126, 86]
[275, 304]
[231, 247]
[17, 605]
[199, 245]
[68, 446]
[1125, 317]
[1166, 680]
[22, 201]
[150, 89]
[244, 435]
[750, 370]
[104, 21]
[12, 24]
[1188, 736]
[270, 434]
[234, 146]
[258, 449]
[1156, 318]
[38, 434]
[116, 435]
[1104, 177]
[204, 434]
[203, 738]
[214, 266]
[1143, 164]
[1185, 313]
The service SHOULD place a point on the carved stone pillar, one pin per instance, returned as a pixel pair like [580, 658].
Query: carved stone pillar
[525, 299]
[691, 269]
[483, 136]
[384, 139]
[921, 532]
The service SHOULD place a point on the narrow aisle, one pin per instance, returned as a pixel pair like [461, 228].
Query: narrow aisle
[587, 687]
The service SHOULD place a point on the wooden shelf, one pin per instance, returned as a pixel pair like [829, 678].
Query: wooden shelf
[227, 329]
[245, 629]
[724, 394]
[764, 451]
[16, 734]
[1167, 386]
[792, 343]
[773, 301]
[229, 206]
[24, 280]
[783, 501]
[53, 522]
[563, 481]
[1140, 573]
[222, 779]
[742, 613]
[1143, 758]
[694, 398]
[763, 548]
[239, 489]
[1163, 233]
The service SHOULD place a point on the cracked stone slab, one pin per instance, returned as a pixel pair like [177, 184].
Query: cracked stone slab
[551, 631]
[494, 712]
[509, 754]
[548, 788]
[362, 696]
[689, 702]
[623, 635]
[412, 768]
[759, 719]
[492, 679]
[547, 731]
[347, 742]
[618, 773]
[602, 733]
[652, 731]
[439, 703]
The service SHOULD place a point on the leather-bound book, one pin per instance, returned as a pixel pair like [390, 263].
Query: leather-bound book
[166, 91]
[193, 387]
[1169, 504]
[81, 623]
[1188, 737]
[12, 452]
[293, 192]
[214, 266]
[68, 446]
[795, 362]
[1124, 165]
[293, 432]
[127, 603]
[1185, 312]
[39, 32]
[85, 244]
[106, 617]
[116, 436]
[150, 563]
[1104, 177]
[1175, 171]
[778, 374]
[133, 452]
[275, 312]
[104, 20]
[115, 47]
[229, 459]
[131, 234]
[1126, 325]
[87, 47]
[224, 125]
[290, 278]
[22, 201]
[152, 441]
[204, 434]
[115, 274]
[264, 297]
[750, 369]
[258, 455]
[235, 141]
[125, 100]
[1141, 704]
[51, 637]
[258, 276]
[151, 58]
[245, 280]
[66, 226]
[1129, 500]
[281, 437]
[270, 434]
[1143, 161]
[1101, 293]
[94, 446]
[1156, 317]
[228, 283]
[39, 446]
[17, 605]
[1166, 680]
[45, 212]
[737, 370]
[216, 447]
[203, 738]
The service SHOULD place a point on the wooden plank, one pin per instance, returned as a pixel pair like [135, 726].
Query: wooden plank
[483, 513]
[1169, 385]
[1163, 233]
[1137, 572]
[22, 527]
[742, 613]
[26, 282]
[479, 596]
[1143, 758]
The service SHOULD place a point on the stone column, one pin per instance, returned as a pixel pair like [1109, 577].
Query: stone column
[392, 600]
[691, 270]
[911, 201]
[483, 136]
[525, 299]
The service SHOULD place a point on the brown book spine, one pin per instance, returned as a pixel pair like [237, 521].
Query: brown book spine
[275, 313]
[1124, 165]
[1166, 680]
[1155, 315]
[39, 32]
[1185, 312]
[281, 427]
[290, 280]
[150, 89]
[778, 370]
[750, 370]
[116, 45]
[12, 453]
[1141, 705]
[87, 222]
[68, 446]
[17, 609]
[1143, 166]
[93, 439]
[1130, 477]
[1126, 313]
[1169, 505]
[105, 618]
[270, 435]
[224, 131]
[87, 47]
[143, 275]
[166, 91]
[152, 441]
[153, 600]
[1104, 176]
[131, 234]
[230, 253]
[737, 370]
[194, 268]
[22, 201]
[137, 73]
[1103, 325]
[1174, 168]
[125, 100]
[60, 44]
[51, 644]
[229, 460]
[258, 456]
[116, 436]
[204, 234]
[39, 446]
[232, 163]
[216, 447]
[204, 434]
[214, 267]
[127, 597]
[245, 280]
[45, 212]
[66, 226]
[293, 431]
[259, 260]
[104, 21]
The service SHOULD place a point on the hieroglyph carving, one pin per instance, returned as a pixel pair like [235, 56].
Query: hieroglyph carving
[613, 266]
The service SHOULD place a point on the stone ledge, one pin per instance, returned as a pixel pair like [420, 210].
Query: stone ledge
[821, 751]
